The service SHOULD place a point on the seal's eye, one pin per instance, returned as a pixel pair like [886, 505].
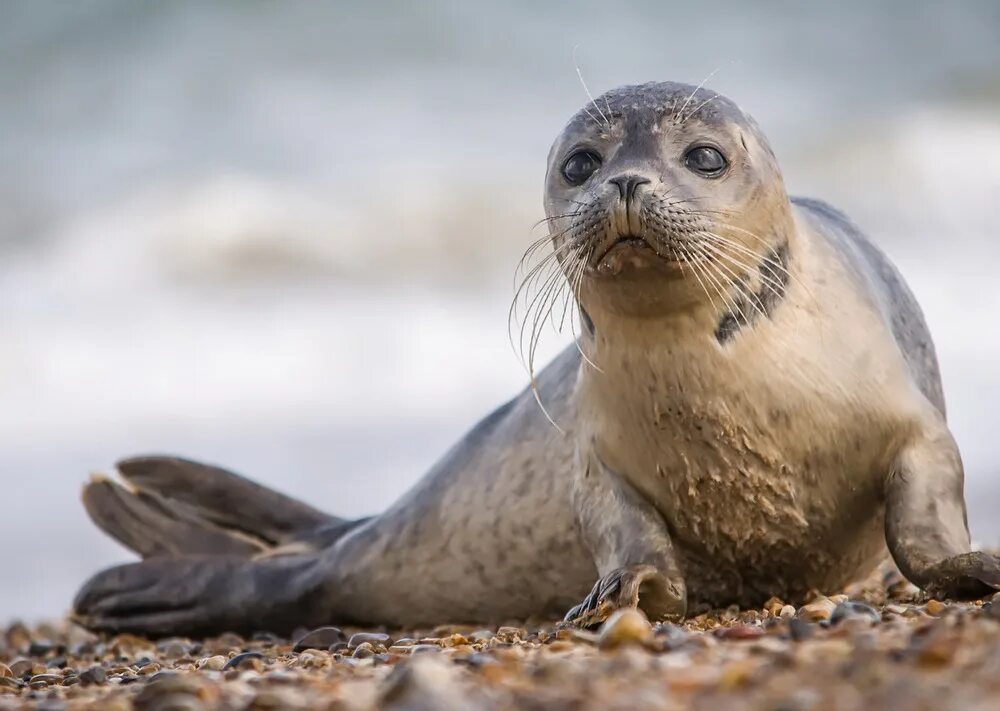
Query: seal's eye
[580, 166]
[705, 161]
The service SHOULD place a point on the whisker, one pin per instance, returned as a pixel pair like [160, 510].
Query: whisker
[576, 64]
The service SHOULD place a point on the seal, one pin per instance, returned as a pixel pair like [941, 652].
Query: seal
[752, 408]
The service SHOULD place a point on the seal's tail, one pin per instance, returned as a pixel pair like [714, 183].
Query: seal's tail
[170, 506]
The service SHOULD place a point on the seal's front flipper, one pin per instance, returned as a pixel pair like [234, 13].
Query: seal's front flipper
[632, 550]
[925, 522]
[198, 596]
[641, 586]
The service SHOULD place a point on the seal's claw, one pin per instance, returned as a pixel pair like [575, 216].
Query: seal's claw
[641, 586]
[966, 576]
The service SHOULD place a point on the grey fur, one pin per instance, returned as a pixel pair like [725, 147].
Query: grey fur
[693, 470]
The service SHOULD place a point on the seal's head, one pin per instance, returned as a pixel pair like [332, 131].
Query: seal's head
[662, 194]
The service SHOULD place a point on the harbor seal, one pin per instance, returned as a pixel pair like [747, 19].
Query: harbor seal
[752, 408]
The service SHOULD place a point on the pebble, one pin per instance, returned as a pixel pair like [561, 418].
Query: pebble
[853, 610]
[375, 639]
[245, 660]
[418, 648]
[739, 632]
[216, 662]
[20, 667]
[758, 658]
[625, 626]
[321, 638]
[817, 610]
[935, 607]
[799, 629]
[94, 675]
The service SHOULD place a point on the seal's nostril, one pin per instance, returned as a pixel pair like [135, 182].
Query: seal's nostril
[627, 185]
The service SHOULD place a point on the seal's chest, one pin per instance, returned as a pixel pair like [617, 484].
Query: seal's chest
[739, 474]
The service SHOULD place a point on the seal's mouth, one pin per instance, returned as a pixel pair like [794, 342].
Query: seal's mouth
[626, 243]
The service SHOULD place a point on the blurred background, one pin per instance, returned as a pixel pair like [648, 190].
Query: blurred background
[282, 236]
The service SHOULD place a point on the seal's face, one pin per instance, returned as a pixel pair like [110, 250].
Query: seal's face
[663, 182]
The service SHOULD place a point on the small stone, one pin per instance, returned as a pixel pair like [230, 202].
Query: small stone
[476, 636]
[818, 610]
[853, 610]
[39, 648]
[739, 632]
[419, 648]
[320, 638]
[20, 667]
[935, 607]
[174, 649]
[246, 660]
[375, 639]
[625, 626]
[216, 662]
[44, 680]
[511, 634]
[799, 629]
[364, 650]
[786, 612]
[5, 671]
[7, 682]
[149, 669]
[937, 648]
[94, 675]
[773, 606]
[454, 640]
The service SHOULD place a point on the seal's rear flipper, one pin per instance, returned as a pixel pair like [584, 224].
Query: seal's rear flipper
[172, 506]
[223, 498]
[206, 595]
[153, 526]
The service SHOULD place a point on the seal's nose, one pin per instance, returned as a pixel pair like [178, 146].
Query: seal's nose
[627, 185]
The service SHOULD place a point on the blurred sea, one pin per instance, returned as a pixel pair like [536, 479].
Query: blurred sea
[281, 236]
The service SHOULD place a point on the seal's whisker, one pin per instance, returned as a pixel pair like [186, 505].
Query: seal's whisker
[607, 121]
[549, 262]
[530, 253]
[554, 273]
[773, 282]
[749, 297]
[575, 288]
[737, 282]
[693, 93]
[773, 263]
[698, 108]
[553, 218]
[539, 301]
[712, 273]
[696, 269]
[538, 244]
